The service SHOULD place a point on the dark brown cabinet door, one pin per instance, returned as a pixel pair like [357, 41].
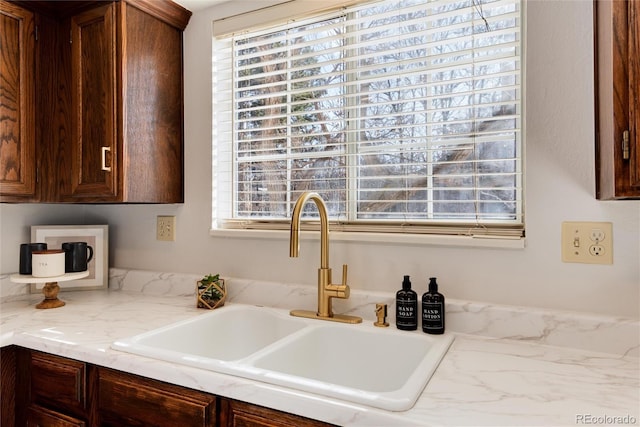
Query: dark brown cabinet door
[127, 105]
[153, 109]
[42, 417]
[105, 124]
[130, 400]
[7, 386]
[634, 92]
[94, 156]
[40, 389]
[52, 391]
[58, 382]
[17, 103]
[618, 99]
[240, 414]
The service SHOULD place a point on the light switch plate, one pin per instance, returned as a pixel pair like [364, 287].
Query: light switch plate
[587, 242]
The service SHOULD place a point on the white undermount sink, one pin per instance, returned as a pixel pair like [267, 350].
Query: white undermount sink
[223, 335]
[379, 367]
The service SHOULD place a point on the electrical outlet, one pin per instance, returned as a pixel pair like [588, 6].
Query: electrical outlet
[587, 242]
[166, 228]
[596, 235]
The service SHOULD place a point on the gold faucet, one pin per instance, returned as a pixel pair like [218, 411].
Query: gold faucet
[326, 290]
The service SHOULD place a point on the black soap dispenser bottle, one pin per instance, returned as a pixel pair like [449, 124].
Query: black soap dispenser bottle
[433, 309]
[406, 307]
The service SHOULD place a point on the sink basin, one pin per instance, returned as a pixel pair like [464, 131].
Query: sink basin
[361, 365]
[383, 368]
[226, 334]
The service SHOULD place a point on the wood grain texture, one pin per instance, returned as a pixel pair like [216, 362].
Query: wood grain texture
[616, 65]
[166, 11]
[93, 105]
[153, 109]
[620, 90]
[17, 101]
[634, 92]
[60, 9]
[135, 401]
[42, 417]
[53, 127]
[54, 391]
[109, 74]
[7, 386]
[58, 383]
[127, 95]
[240, 414]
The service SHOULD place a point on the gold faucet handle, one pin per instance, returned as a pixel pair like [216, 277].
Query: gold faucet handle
[339, 291]
[381, 314]
[344, 274]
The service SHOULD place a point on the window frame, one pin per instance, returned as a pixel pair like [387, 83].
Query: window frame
[461, 234]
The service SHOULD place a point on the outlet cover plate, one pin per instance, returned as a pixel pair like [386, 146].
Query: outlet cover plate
[166, 228]
[587, 242]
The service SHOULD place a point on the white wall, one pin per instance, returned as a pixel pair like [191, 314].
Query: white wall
[559, 187]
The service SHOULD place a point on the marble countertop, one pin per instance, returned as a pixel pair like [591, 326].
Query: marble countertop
[482, 381]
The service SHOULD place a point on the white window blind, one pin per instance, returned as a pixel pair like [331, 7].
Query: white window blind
[404, 115]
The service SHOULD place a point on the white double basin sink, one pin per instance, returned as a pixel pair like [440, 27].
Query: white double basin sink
[379, 367]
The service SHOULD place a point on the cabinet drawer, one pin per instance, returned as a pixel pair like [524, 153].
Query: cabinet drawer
[58, 382]
[130, 400]
[41, 417]
[240, 414]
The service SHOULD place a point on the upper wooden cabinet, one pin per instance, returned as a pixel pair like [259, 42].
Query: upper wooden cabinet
[17, 103]
[617, 32]
[93, 146]
[109, 124]
[127, 105]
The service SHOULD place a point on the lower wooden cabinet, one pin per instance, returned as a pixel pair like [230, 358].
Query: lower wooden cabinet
[58, 383]
[53, 391]
[7, 386]
[41, 417]
[129, 400]
[234, 413]
[44, 390]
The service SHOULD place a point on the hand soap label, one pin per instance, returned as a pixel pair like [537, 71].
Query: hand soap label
[406, 307]
[406, 313]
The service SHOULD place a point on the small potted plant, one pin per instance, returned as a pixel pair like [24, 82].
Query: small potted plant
[211, 292]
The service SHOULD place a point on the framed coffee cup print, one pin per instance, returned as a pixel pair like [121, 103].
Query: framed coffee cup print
[95, 237]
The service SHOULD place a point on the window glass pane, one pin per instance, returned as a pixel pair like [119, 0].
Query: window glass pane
[403, 110]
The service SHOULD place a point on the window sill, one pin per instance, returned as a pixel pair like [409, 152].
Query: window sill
[397, 238]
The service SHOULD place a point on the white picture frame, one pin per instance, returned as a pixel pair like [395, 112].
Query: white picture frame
[96, 236]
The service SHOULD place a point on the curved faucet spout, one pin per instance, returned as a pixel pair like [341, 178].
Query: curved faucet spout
[326, 290]
[294, 239]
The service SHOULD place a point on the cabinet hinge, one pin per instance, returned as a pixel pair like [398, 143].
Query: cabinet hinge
[36, 31]
[70, 37]
[625, 145]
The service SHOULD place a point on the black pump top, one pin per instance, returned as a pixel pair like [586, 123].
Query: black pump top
[433, 286]
[406, 283]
